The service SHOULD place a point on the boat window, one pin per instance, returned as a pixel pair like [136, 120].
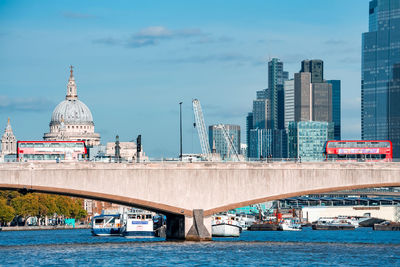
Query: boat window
[148, 216]
[98, 221]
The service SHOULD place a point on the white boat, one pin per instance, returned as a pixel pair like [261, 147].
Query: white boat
[225, 225]
[245, 220]
[138, 224]
[290, 224]
[106, 225]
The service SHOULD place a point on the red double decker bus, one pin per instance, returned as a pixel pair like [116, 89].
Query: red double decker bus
[355, 150]
[51, 150]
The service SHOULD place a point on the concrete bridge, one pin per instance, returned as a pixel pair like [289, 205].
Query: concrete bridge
[189, 193]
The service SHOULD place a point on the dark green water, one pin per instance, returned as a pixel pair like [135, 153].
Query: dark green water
[362, 247]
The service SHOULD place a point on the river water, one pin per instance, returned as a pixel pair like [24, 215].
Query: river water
[361, 247]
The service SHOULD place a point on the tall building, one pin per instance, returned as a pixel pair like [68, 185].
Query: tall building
[8, 141]
[249, 126]
[316, 109]
[336, 108]
[266, 136]
[380, 53]
[260, 143]
[72, 120]
[306, 139]
[276, 77]
[316, 68]
[313, 95]
[261, 113]
[321, 102]
[218, 142]
[302, 96]
[288, 89]
[394, 111]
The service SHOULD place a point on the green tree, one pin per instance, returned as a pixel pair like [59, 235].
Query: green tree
[7, 213]
[26, 206]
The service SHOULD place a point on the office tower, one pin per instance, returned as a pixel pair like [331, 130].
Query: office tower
[380, 53]
[276, 77]
[285, 76]
[336, 113]
[313, 100]
[279, 146]
[218, 142]
[394, 111]
[314, 105]
[288, 88]
[321, 99]
[306, 139]
[315, 67]
[261, 113]
[263, 94]
[302, 91]
[266, 136]
[260, 143]
[249, 126]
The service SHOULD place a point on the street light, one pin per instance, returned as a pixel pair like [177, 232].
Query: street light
[180, 120]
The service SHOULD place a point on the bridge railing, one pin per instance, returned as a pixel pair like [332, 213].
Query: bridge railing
[199, 159]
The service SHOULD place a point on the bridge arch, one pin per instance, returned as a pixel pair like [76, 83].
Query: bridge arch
[121, 200]
[295, 194]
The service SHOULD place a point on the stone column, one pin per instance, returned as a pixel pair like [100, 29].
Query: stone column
[196, 228]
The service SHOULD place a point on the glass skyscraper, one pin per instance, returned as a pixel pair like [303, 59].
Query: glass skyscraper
[380, 53]
[306, 139]
[276, 77]
[336, 114]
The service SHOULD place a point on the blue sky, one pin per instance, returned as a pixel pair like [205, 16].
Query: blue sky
[136, 60]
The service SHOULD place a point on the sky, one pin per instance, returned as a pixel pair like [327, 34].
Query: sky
[134, 61]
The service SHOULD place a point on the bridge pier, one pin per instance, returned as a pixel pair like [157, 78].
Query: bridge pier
[196, 228]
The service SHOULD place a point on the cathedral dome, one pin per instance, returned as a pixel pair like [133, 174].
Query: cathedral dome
[71, 112]
[72, 120]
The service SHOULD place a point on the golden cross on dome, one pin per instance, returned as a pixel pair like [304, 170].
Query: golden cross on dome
[71, 70]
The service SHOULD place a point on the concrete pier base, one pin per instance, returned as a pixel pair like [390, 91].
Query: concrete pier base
[196, 228]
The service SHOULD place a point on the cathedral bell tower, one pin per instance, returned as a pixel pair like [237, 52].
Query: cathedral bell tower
[72, 92]
[8, 141]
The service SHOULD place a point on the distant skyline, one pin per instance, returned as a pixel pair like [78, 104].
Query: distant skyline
[135, 61]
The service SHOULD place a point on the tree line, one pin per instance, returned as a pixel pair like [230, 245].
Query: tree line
[13, 203]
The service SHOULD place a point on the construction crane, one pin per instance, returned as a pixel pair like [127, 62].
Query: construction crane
[201, 129]
[229, 142]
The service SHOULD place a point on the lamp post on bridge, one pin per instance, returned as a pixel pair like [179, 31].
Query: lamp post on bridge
[180, 129]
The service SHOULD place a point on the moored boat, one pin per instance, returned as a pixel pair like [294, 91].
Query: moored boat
[138, 224]
[387, 226]
[106, 225]
[245, 220]
[339, 223]
[290, 224]
[225, 225]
